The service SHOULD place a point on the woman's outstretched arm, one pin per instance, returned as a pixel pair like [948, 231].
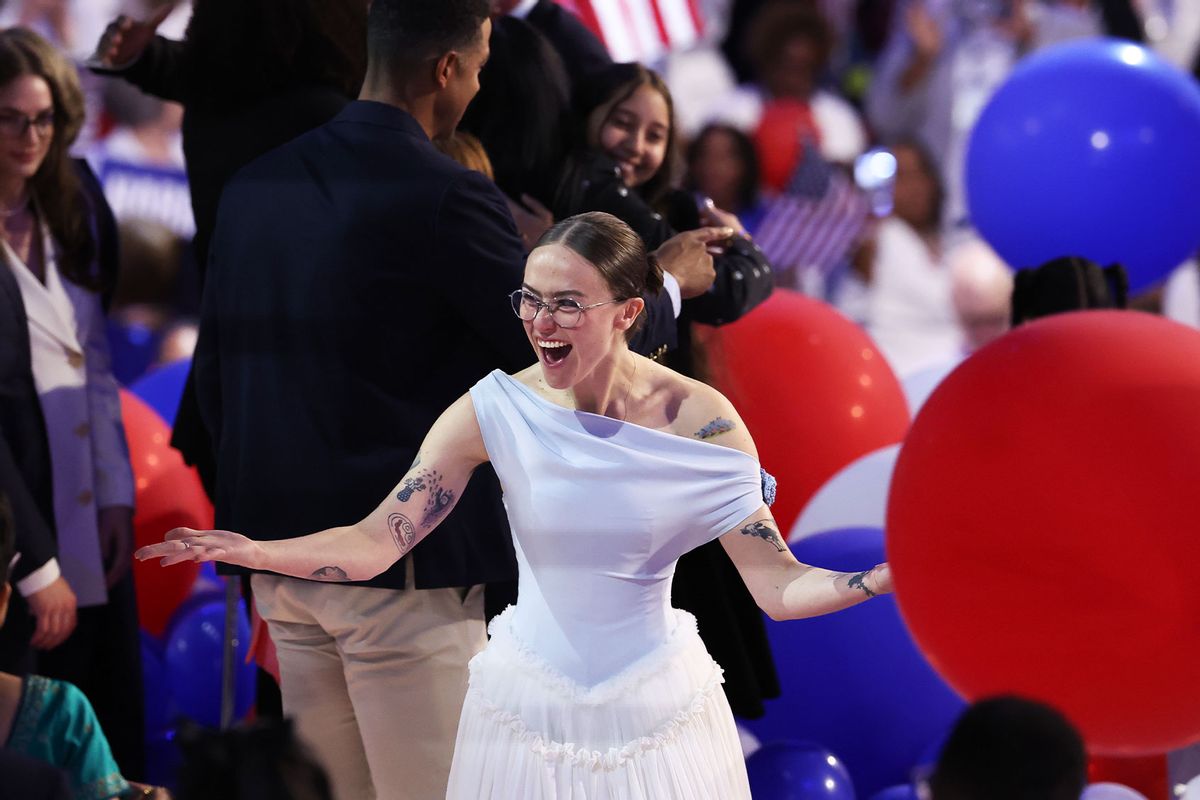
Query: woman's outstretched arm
[782, 586]
[452, 450]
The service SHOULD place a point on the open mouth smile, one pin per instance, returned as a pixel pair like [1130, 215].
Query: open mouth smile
[553, 353]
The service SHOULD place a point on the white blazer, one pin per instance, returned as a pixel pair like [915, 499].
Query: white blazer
[88, 452]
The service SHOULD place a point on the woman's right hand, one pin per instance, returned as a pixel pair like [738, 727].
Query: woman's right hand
[186, 544]
[125, 39]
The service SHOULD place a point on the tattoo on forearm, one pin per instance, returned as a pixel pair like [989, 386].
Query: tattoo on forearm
[403, 532]
[763, 530]
[715, 428]
[859, 581]
[330, 573]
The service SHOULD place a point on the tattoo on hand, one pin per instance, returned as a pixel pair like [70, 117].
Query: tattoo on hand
[330, 573]
[763, 530]
[859, 581]
[403, 532]
[715, 428]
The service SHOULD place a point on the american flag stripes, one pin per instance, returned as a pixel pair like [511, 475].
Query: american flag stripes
[814, 224]
[641, 30]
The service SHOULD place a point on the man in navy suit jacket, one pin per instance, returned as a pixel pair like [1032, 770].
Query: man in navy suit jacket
[357, 285]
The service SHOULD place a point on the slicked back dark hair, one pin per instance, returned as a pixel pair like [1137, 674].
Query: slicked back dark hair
[413, 31]
[614, 249]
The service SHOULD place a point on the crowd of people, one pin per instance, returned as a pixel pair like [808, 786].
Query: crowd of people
[325, 203]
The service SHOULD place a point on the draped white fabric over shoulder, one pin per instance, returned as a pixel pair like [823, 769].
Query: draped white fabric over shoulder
[592, 685]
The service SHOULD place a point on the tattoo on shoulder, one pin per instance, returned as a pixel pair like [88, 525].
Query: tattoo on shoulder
[859, 581]
[404, 534]
[330, 573]
[715, 428]
[763, 530]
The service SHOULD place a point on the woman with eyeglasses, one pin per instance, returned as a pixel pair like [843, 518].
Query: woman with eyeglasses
[75, 604]
[613, 466]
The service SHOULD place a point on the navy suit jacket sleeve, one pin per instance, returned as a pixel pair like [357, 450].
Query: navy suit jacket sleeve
[477, 238]
[159, 71]
[35, 540]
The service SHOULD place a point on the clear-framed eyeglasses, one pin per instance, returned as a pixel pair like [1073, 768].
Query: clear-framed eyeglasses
[566, 313]
[14, 124]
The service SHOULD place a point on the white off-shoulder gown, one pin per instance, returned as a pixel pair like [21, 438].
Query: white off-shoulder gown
[593, 686]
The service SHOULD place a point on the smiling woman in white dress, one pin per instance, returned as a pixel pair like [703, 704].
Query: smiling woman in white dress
[613, 466]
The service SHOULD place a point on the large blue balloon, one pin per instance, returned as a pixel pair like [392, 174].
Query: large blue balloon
[1090, 149]
[162, 388]
[854, 681]
[904, 791]
[193, 657]
[797, 771]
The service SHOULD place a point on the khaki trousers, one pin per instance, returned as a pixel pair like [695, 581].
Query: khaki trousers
[374, 679]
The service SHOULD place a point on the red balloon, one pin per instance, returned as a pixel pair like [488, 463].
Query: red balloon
[811, 387]
[168, 494]
[777, 140]
[1042, 525]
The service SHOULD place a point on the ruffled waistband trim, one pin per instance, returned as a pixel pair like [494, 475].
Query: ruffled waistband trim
[504, 640]
[613, 758]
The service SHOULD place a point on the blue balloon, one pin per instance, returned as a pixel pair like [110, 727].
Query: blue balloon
[902, 792]
[132, 348]
[797, 771]
[854, 680]
[162, 388]
[193, 658]
[1090, 149]
[156, 698]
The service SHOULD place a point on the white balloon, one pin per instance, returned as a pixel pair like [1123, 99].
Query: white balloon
[749, 741]
[920, 384]
[856, 497]
[1192, 790]
[1110, 791]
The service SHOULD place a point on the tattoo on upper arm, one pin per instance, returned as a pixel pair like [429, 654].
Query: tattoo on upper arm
[764, 530]
[715, 428]
[440, 499]
[859, 581]
[330, 573]
[411, 485]
[404, 534]
[439, 502]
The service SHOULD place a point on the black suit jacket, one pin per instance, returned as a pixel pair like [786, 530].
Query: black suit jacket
[25, 473]
[356, 287]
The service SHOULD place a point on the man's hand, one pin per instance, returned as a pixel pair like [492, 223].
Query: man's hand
[687, 256]
[54, 608]
[115, 525]
[125, 39]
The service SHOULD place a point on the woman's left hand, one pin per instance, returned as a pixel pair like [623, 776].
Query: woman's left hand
[186, 544]
[115, 526]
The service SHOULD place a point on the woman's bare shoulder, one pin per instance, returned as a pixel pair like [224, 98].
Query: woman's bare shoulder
[695, 410]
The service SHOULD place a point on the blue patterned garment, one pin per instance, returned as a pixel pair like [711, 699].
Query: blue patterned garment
[55, 723]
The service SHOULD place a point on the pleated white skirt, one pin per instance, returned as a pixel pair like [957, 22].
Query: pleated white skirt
[659, 730]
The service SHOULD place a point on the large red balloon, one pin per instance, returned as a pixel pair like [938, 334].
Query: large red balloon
[168, 494]
[1043, 521]
[811, 387]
